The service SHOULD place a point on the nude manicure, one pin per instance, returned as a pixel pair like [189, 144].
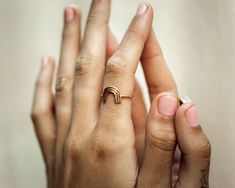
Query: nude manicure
[69, 14]
[167, 105]
[45, 61]
[192, 117]
[142, 9]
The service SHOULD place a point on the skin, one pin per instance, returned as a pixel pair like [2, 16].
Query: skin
[86, 143]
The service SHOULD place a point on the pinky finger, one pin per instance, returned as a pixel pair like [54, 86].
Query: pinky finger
[42, 110]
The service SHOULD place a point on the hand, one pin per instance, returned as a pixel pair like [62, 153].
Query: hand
[94, 143]
[170, 125]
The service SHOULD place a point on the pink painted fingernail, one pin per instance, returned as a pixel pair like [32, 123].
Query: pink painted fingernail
[167, 105]
[69, 14]
[45, 61]
[192, 117]
[142, 8]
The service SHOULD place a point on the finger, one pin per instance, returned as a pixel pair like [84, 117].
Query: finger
[159, 78]
[139, 118]
[122, 65]
[90, 68]
[157, 74]
[112, 44]
[138, 108]
[160, 143]
[65, 75]
[195, 148]
[42, 111]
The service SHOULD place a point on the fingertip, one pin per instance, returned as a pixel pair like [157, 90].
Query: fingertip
[187, 115]
[164, 106]
[144, 13]
[45, 76]
[143, 8]
[44, 61]
[190, 136]
[184, 131]
[47, 61]
[71, 12]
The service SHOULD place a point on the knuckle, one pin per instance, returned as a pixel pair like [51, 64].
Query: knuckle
[162, 140]
[105, 147]
[63, 84]
[38, 113]
[116, 66]
[72, 148]
[85, 65]
[100, 149]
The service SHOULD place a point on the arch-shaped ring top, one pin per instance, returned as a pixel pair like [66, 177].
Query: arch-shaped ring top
[114, 91]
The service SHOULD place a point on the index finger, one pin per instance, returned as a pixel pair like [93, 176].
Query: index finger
[158, 76]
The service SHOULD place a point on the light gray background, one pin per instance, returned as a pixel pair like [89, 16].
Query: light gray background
[199, 43]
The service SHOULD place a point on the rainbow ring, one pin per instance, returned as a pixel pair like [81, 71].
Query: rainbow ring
[115, 92]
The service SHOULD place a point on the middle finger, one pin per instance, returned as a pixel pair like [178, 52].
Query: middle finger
[90, 68]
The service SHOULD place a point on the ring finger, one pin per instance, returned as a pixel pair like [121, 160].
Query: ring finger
[120, 71]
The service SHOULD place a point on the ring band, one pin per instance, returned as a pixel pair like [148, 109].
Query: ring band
[115, 92]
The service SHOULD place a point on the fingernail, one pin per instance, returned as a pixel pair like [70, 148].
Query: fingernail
[192, 116]
[142, 8]
[167, 105]
[45, 61]
[69, 14]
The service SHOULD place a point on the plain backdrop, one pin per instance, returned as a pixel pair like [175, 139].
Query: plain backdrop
[198, 39]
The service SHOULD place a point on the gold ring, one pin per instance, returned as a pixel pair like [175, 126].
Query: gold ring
[115, 92]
